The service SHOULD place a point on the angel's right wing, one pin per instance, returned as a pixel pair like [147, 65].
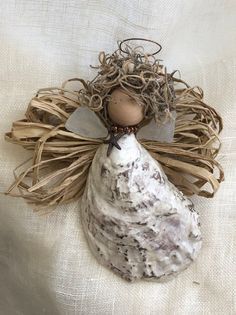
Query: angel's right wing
[86, 123]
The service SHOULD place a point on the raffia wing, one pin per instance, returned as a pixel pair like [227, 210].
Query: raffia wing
[160, 133]
[86, 123]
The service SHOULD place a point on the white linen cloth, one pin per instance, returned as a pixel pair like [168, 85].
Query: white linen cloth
[45, 264]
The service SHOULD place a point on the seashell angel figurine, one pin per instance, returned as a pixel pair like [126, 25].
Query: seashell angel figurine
[154, 142]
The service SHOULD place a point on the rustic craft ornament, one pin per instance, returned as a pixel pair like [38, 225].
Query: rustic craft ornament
[132, 142]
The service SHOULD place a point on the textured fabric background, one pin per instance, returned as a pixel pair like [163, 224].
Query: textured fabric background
[45, 264]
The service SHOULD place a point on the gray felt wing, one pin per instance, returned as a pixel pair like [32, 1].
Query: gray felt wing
[86, 123]
[161, 133]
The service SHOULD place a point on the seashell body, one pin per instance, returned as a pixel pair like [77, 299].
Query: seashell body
[136, 222]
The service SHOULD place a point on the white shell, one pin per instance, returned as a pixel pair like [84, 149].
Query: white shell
[136, 222]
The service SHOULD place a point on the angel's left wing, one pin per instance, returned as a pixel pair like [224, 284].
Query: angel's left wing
[160, 133]
[86, 123]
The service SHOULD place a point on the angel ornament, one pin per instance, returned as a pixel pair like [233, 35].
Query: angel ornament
[155, 144]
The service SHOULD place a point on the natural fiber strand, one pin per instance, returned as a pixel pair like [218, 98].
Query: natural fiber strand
[65, 157]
